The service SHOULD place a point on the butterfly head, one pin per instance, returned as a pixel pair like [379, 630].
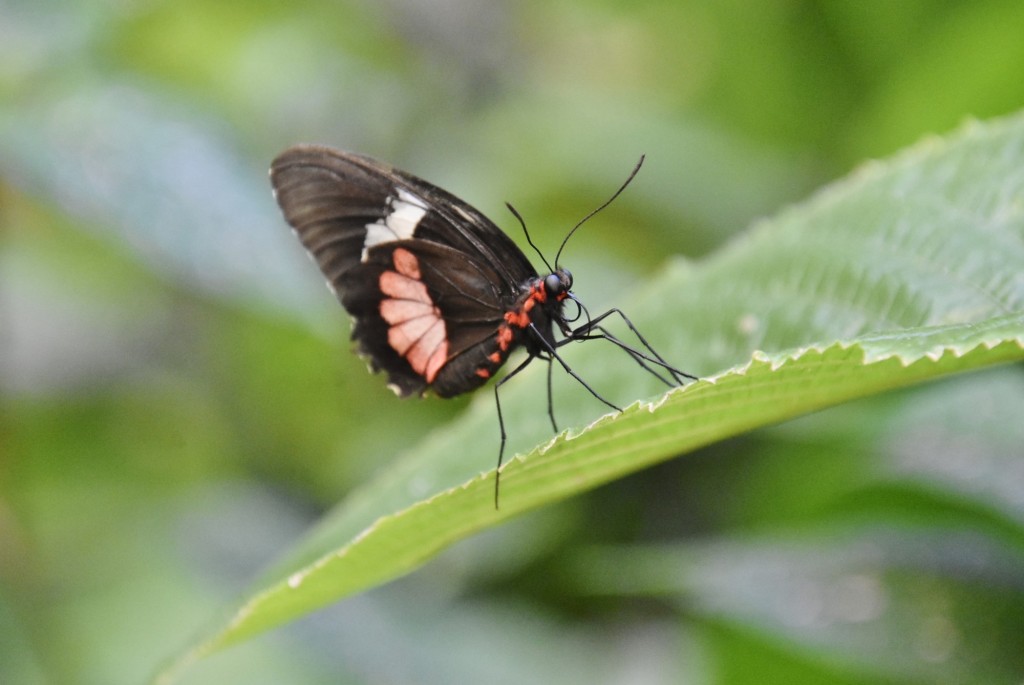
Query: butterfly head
[558, 283]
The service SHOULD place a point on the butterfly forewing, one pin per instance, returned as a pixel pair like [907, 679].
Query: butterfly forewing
[330, 197]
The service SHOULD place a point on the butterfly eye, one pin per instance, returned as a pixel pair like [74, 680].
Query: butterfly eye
[553, 284]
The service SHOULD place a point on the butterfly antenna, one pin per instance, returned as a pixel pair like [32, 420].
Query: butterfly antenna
[522, 223]
[606, 203]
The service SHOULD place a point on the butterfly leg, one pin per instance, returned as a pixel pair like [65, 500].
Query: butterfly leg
[653, 366]
[644, 361]
[551, 404]
[501, 423]
[586, 332]
[550, 349]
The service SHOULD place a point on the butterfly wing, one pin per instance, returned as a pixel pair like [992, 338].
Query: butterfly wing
[426, 277]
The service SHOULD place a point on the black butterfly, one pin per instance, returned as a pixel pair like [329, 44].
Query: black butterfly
[440, 296]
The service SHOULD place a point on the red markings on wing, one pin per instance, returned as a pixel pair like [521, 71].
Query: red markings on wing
[406, 263]
[417, 330]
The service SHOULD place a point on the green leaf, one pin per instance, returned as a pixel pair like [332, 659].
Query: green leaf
[909, 270]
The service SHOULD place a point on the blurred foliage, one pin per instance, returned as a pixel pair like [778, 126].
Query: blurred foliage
[179, 404]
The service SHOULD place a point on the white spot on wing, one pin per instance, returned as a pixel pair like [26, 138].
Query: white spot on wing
[404, 219]
[407, 210]
[377, 233]
[411, 198]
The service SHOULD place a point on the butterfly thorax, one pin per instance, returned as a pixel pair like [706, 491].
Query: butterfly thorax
[538, 307]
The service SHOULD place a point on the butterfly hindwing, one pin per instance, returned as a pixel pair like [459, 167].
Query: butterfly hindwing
[425, 314]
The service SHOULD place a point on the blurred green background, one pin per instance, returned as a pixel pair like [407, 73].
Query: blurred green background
[179, 403]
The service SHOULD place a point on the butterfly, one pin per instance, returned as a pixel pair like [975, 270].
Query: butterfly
[439, 295]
